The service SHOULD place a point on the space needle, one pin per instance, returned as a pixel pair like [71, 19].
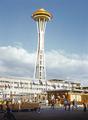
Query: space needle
[41, 17]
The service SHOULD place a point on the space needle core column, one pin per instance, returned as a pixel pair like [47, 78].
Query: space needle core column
[41, 17]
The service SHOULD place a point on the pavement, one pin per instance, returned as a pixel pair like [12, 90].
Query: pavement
[50, 114]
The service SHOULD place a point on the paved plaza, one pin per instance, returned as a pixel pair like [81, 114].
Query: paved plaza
[51, 114]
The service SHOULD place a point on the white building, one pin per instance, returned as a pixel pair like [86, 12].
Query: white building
[56, 84]
[15, 87]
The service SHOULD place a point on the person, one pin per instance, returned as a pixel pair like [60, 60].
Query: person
[52, 103]
[69, 105]
[84, 107]
[8, 115]
[39, 107]
[73, 103]
[65, 104]
[1, 107]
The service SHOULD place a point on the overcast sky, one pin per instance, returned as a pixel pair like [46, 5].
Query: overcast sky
[66, 39]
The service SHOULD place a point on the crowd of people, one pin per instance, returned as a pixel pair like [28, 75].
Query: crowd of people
[68, 105]
[74, 105]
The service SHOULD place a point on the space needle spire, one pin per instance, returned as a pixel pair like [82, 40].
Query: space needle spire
[41, 17]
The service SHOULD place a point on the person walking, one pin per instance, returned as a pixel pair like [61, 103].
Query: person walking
[84, 107]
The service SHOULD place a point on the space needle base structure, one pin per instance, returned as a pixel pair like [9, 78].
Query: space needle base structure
[41, 17]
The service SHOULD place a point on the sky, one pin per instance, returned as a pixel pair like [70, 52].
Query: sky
[66, 39]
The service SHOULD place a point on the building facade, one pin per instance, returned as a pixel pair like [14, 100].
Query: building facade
[18, 88]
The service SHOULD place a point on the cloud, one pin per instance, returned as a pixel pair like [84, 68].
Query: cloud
[65, 66]
[16, 61]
